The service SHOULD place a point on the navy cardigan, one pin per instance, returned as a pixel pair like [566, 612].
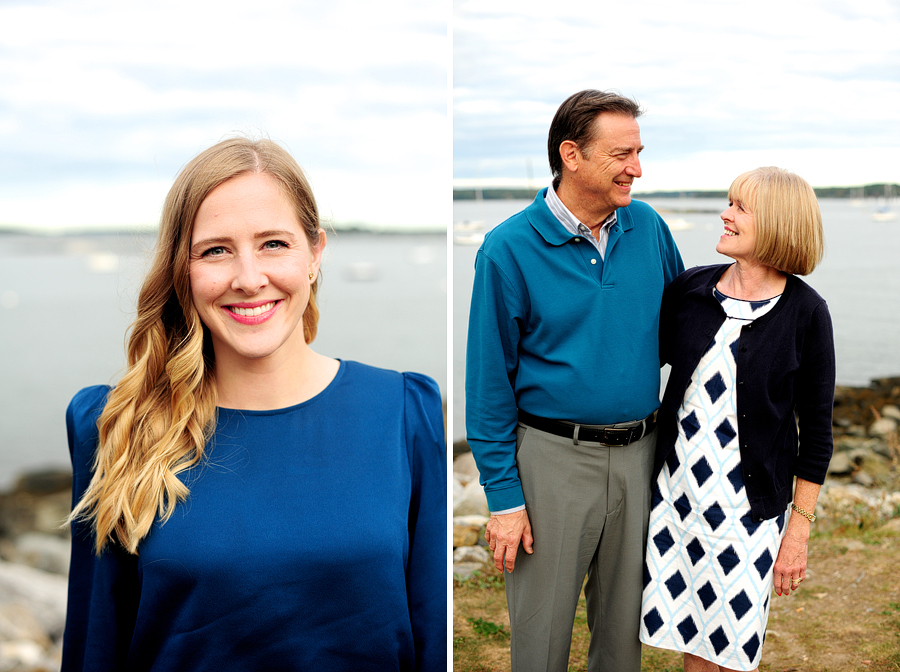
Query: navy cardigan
[785, 365]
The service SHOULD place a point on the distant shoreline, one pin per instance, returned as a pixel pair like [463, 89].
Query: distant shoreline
[499, 193]
[338, 228]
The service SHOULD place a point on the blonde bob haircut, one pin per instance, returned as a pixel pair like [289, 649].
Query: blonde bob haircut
[789, 234]
[159, 417]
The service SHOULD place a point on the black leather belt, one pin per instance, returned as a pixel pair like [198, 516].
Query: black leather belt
[607, 435]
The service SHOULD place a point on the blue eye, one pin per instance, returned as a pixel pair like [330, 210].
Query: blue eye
[274, 244]
[214, 252]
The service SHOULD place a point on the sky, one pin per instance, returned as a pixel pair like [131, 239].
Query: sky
[812, 86]
[103, 102]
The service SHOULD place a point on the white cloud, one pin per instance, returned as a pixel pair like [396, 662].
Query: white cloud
[725, 76]
[123, 95]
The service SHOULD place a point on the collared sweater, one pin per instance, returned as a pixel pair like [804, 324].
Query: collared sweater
[785, 366]
[558, 332]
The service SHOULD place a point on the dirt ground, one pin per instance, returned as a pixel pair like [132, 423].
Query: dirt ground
[846, 617]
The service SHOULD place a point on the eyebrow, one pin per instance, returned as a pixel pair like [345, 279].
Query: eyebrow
[619, 150]
[219, 240]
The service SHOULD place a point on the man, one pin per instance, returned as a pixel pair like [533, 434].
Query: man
[562, 385]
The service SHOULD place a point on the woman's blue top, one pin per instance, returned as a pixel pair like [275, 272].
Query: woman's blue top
[314, 538]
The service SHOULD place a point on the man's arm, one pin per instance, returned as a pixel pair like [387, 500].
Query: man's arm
[491, 411]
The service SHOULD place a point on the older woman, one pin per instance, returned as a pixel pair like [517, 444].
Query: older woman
[243, 502]
[750, 346]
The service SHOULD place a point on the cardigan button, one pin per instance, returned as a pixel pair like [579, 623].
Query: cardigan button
[593, 261]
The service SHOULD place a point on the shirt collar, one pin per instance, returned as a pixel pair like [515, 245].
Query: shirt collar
[569, 221]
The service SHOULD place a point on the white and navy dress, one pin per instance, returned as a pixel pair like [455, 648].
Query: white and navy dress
[708, 569]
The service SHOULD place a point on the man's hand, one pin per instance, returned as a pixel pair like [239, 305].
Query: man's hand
[503, 535]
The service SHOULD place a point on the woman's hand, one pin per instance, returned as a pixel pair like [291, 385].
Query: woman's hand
[790, 566]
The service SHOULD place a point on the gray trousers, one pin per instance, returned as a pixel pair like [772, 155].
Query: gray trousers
[588, 505]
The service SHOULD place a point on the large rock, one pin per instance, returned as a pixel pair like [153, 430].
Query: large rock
[466, 535]
[890, 411]
[466, 570]
[472, 500]
[470, 554]
[457, 488]
[44, 595]
[883, 427]
[841, 464]
[44, 551]
[471, 519]
[465, 468]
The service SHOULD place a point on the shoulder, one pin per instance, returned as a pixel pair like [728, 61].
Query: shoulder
[804, 294]
[697, 277]
[510, 233]
[81, 424]
[640, 211]
[423, 389]
[85, 408]
[386, 383]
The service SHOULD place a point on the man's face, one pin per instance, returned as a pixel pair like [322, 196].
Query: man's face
[610, 164]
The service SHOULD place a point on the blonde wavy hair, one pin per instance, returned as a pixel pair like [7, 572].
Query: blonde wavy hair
[159, 417]
[789, 233]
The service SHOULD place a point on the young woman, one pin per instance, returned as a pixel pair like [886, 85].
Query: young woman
[241, 501]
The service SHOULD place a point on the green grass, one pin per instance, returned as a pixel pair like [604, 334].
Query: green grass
[487, 628]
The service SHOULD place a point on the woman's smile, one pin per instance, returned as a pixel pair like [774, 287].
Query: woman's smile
[252, 314]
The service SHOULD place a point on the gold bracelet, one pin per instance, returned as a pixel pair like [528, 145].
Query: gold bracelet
[806, 514]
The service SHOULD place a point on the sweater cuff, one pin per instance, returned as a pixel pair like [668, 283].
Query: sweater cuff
[505, 498]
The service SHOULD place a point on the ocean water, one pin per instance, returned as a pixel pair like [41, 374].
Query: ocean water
[67, 301]
[859, 278]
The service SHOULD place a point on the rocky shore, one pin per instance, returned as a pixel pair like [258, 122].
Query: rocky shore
[862, 487]
[34, 564]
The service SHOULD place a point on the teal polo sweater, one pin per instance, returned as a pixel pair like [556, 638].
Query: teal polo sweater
[558, 332]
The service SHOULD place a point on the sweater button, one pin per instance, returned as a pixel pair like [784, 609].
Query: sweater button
[593, 261]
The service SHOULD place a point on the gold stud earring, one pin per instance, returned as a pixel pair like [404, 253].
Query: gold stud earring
[311, 276]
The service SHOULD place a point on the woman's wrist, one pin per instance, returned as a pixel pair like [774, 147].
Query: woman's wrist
[809, 515]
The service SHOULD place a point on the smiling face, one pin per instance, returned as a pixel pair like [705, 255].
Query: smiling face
[606, 169]
[739, 238]
[250, 267]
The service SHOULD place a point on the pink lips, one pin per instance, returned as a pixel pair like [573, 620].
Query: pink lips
[250, 313]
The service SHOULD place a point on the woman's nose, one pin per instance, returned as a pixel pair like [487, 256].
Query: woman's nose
[249, 275]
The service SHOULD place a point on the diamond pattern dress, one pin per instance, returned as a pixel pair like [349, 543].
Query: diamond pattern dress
[708, 569]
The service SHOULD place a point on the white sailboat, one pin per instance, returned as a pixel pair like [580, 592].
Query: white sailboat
[883, 213]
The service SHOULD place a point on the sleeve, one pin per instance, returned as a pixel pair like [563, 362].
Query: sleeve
[426, 572]
[491, 364]
[815, 397]
[667, 314]
[103, 591]
[673, 266]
